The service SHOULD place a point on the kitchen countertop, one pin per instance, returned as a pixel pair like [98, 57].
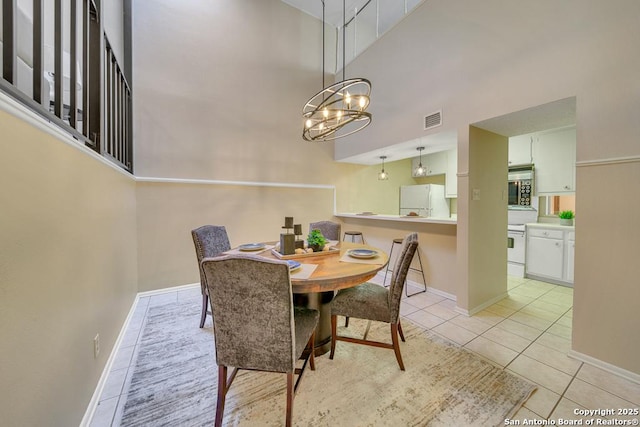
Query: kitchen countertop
[385, 217]
[551, 225]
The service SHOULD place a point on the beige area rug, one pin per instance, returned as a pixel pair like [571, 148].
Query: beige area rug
[175, 379]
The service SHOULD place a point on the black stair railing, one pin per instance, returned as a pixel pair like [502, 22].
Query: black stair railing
[76, 49]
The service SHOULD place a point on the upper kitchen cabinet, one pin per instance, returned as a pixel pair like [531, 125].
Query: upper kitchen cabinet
[434, 163]
[554, 156]
[520, 150]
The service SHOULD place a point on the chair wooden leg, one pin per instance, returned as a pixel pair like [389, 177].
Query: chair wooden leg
[203, 316]
[312, 356]
[334, 327]
[289, 397]
[396, 344]
[400, 331]
[222, 391]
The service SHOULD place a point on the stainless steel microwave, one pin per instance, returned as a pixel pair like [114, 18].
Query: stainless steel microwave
[521, 185]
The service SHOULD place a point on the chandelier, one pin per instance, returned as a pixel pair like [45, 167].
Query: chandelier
[337, 110]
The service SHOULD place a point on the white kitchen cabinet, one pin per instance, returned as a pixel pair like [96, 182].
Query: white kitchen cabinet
[554, 155]
[434, 163]
[570, 255]
[451, 176]
[549, 253]
[520, 150]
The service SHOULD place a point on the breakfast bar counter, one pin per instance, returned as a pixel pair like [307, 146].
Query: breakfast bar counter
[403, 218]
[437, 239]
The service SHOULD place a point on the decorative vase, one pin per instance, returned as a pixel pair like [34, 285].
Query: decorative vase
[565, 221]
[316, 248]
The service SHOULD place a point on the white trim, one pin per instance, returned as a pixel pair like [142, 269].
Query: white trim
[241, 183]
[168, 290]
[16, 109]
[462, 174]
[13, 107]
[435, 291]
[95, 399]
[607, 162]
[222, 182]
[482, 306]
[623, 373]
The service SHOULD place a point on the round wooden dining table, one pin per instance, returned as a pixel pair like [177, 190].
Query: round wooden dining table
[330, 275]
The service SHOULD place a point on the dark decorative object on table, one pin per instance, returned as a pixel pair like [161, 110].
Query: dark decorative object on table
[288, 240]
[297, 231]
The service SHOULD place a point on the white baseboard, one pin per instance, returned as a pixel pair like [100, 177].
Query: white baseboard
[168, 290]
[628, 375]
[482, 306]
[95, 399]
[431, 290]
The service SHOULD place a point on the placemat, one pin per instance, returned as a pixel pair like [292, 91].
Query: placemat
[304, 272]
[346, 258]
[236, 251]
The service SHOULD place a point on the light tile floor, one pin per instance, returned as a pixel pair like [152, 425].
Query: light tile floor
[527, 333]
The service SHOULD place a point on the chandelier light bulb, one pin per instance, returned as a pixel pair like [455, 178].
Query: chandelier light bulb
[347, 98]
[325, 113]
[363, 102]
[308, 123]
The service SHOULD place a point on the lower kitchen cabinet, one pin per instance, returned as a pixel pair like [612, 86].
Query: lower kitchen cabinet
[570, 255]
[549, 253]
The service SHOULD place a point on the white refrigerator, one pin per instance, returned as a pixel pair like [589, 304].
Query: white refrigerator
[425, 200]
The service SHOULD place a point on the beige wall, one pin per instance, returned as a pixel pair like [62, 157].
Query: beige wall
[480, 60]
[437, 246]
[361, 191]
[250, 213]
[487, 217]
[219, 92]
[606, 319]
[68, 271]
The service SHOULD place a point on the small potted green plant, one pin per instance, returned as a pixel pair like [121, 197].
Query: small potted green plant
[316, 240]
[566, 217]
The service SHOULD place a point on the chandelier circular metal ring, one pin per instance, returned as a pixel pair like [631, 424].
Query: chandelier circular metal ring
[337, 110]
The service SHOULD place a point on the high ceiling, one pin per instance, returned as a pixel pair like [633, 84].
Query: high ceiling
[388, 11]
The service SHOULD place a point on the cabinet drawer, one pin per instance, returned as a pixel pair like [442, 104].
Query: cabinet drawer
[544, 232]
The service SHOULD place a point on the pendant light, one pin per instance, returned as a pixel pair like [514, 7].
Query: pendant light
[382, 175]
[339, 109]
[420, 171]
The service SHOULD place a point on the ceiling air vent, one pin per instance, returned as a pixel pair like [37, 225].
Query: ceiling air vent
[433, 120]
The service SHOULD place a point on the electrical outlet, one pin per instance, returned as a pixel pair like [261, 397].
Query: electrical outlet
[476, 194]
[96, 346]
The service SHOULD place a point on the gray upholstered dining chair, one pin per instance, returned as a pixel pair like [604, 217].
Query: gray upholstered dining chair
[329, 229]
[210, 241]
[374, 302]
[256, 325]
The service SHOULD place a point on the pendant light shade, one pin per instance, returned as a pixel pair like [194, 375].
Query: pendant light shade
[337, 110]
[382, 175]
[420, 170]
